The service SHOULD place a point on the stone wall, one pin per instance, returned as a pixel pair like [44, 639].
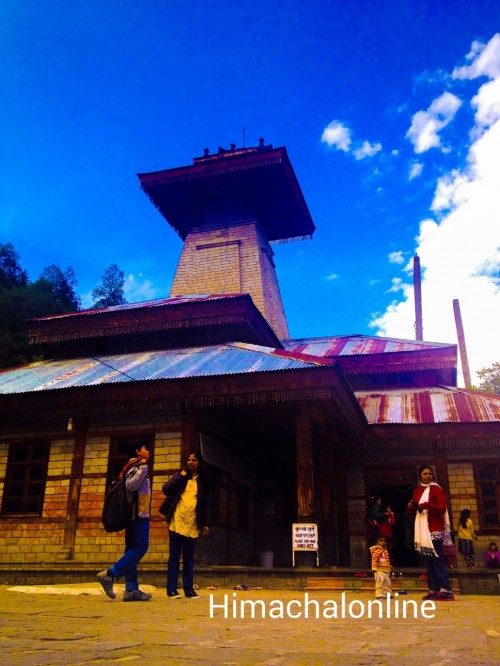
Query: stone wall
[44, 539]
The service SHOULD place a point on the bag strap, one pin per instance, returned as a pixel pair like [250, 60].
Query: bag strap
[135, 495]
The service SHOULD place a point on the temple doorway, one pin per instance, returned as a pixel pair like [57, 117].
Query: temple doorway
[395, 488]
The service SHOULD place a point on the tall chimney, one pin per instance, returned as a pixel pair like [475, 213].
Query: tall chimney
[417, 289]
[461, 343]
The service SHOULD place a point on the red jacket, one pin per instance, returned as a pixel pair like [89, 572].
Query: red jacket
[385, 528]
[436, 506]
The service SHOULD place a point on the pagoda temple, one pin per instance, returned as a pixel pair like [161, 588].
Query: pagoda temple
[292, 430]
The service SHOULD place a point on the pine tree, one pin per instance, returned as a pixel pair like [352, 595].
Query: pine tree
[110, 291]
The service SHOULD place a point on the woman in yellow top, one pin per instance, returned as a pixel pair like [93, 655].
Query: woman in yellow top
[187, 518]
[466, 537]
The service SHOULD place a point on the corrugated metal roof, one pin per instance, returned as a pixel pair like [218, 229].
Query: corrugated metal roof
[226, 359]
[160, 302]
[430, 405]
[353, 345]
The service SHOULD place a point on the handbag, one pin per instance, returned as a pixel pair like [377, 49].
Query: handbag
[165, 506]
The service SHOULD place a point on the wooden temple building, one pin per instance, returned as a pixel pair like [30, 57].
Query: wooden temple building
[293, 430]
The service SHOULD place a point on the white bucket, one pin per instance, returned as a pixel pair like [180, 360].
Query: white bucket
[266, 559]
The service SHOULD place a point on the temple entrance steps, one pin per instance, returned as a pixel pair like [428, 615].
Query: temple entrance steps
[479, 581]
[365, 581]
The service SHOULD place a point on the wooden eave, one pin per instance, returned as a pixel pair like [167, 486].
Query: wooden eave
[323, 383]
[260, 178]
[392, 362]
[238, 312]
[437, 433]
[427, 367]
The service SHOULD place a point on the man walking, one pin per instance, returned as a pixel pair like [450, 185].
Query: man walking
[138, 490]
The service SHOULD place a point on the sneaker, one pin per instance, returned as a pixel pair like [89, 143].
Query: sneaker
[191, 595]
[430, 595]
[107, 584]
[173, 594]
[136, 595]
[445, 596]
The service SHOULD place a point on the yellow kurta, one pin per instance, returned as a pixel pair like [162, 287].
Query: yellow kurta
[184, 519]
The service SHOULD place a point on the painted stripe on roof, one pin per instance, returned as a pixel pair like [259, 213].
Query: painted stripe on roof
[432, 405]
[353, 345]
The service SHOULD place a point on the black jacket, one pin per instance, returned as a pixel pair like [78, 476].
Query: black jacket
[176, 486]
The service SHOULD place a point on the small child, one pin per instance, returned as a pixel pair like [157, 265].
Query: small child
[381, 567]
[492, 559]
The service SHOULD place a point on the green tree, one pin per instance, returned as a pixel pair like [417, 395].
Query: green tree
[21, 300]
[59, 287]
[110, 291]
[11, 273]
[490, 379]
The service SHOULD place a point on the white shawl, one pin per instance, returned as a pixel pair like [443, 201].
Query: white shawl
[423, 538]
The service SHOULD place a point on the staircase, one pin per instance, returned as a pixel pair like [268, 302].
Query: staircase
[406, 582]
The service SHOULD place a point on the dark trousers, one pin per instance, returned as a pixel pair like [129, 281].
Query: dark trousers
[437, 569]
[136, 546]
[180, 545]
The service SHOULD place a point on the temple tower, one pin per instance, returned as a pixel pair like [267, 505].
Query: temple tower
[229, 208]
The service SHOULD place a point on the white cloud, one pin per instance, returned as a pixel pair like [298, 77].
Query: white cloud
[487, 103]
[460, 250]
[337, 135]
[426, 125]
[485, 61]
[367, 150]
[137, 289]
[332, 276]
[450, 191]
[397, 285]
[416, 169]
[396, 257]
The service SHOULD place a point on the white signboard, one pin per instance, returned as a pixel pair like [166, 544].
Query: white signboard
[305, 538]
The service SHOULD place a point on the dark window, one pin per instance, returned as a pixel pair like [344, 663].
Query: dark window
[118, 456]
[25, 478]
[488, 486]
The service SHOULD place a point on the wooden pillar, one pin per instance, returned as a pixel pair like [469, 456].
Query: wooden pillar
[443, 479]
[190, 435]
[305, 489]
[75, 483]
[442, 468]
[327, 494]
[305, 481]
[342, 510]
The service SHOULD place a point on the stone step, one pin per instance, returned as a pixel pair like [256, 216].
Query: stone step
[368, 583]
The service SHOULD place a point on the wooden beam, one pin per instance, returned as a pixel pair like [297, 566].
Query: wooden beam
[75, 483]
[305, 491]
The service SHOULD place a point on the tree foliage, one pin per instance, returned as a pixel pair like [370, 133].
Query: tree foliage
[21, 300]
[11, 273]
[54, 292]
[59, 286]
[111, 289]
[490, 379]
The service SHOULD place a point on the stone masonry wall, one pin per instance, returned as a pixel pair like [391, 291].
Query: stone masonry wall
[30, 539]
[357, 510]
[463, 496]
[232, 259]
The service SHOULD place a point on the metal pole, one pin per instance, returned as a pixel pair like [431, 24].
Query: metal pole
[417, 288]
[461, 343]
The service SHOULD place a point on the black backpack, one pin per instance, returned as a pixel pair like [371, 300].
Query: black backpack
[117, 510]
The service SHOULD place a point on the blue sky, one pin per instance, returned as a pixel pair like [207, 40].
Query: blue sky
[390, 112]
